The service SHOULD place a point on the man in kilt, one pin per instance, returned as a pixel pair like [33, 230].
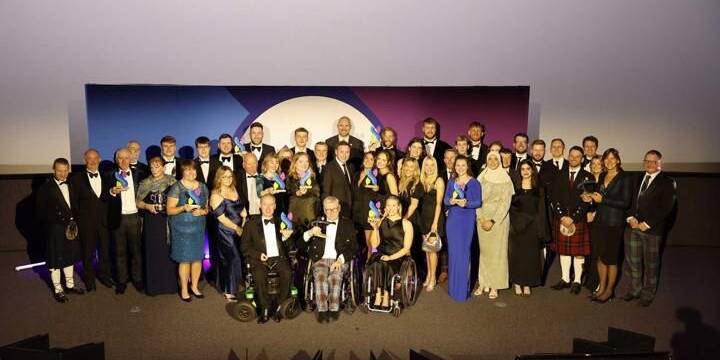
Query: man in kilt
[569, 213]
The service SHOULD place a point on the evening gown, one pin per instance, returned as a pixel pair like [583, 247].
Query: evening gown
[427, 213]
[460, 228]
[363, 196]
[527, 236]
[187, 231]
[392, 240]
[160, 270]
[230, 274]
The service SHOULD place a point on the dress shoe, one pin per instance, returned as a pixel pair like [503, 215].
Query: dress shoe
[630, 297]
[322, 317]
[277, 317]
[197, 295]
[334, 315]
[645, 302]
[262, 319]
[575, 288]
[60, 297]
[139, 286]
[108, 283]
[561, 285]
[120, 289]
[74, 290]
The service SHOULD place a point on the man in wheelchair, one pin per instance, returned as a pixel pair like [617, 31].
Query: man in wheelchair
[264, 246]
[390, 269]
[332, 245]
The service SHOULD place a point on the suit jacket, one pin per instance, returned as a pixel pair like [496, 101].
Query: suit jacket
[252, 241]
[336, 184]
[142, 175]
[92, 210]
[439, 154]
[209, 178]
[115, 202]
[319, 174]
[266, 149]
[514, 161]
[565, 199]
[656, 204]
[142, 169]
[243, 190]
[616, 201]
[237, 166]
[345, 243]
[54, 215]
[481, 157]
[357, 149]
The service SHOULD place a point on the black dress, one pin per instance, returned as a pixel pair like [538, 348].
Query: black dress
[363, 196]
[160, 270]
[427, 212]
[415, 192]
[527, 235]
[392, 240]
[230, 274]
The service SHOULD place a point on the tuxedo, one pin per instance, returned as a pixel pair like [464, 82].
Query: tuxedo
[252, 244]
[207, 178]
[173, 170]
[235, 163]
[515, 161]
[345, 242]
[357, 149]
[142, 169]
[481, 156]
[92, 213]
[245, 192]
[336, 183]
[311, 154]
[265, 149]
[126, 227]
[438, 153]
[655, 204]
[54, 212]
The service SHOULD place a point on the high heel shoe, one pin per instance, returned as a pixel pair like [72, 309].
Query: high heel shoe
[197, 295]
[598, 300]
[187, 299]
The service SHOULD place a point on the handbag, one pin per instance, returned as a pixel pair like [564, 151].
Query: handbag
[431, 242]
[71, 230]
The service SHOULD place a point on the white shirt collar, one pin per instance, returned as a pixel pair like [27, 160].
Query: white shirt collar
[344, 138]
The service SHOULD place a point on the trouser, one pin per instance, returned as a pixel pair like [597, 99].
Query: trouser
[260, 272]
[642, 253]
[127, 243]
[55, 277]
[328, 284]
[95, 237]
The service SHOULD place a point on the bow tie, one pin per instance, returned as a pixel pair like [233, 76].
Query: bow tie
[332, 222]
[425, 142]
[204, 162]
[252, 176]
[472, 146]
[256, 148]
[62, 183]
[125, 173]
[92, 174]
[226, 158]
[268, 221]
[169, 162]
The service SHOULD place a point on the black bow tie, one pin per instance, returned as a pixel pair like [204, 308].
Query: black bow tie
[226, 158]
[169, 162]
[425, 142]
[256, 148]
[268, 221]
[125, 173]
[62, 183]
[252, 176]
[92, 174]
[475, 145]
[332, 222]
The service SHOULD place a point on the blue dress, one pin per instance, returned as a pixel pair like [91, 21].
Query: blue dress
[230, 274]
[460, 228]
[187, 232]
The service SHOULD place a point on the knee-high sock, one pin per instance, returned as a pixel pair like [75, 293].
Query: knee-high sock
[55, 278]
[69, 280]
[578, 262]
[565, 261]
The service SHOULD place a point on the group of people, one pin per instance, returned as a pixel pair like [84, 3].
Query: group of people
[343, 201]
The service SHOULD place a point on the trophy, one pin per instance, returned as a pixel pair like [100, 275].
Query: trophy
[157, 198]
[239, 147]
[279, 182]
[120, 179]
[286, 221]
[374, 212]
[458, 192]
[194, 197]
[306, 181]
[370, 179]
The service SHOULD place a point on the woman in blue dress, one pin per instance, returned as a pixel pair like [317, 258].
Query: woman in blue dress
[229, 209]
[460, 226]
[187, 207]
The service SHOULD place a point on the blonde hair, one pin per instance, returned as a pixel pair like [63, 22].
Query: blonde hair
[428, 181]
[407, 184]
[266, 162]
[293, 165]
[217, 181]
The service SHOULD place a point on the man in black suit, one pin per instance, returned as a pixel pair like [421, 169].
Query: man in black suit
[55, 209]
[332, 246]
[92, 213]
[478, 149]
[256, 145]
[204, 162]
[357, 147]
[264, 245]
[321, 160]
[388, 142]
[337, 180]
[251, 184]
[449, 162]
[168, 151]
[301, 136]
[135, 165]
[653, 201]
[227, 157]
[124, 222]
[590, 147]
[520, 144]
[433, 145]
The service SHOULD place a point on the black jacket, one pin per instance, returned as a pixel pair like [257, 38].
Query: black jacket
[612, 210]
[54, 215]
[91, 210]
[357, 149]
[209, 178]
[252, 241]
[336, 184]
[565, 198]
[266, 149]
[115, 202]
[656, 204]
[345, 243]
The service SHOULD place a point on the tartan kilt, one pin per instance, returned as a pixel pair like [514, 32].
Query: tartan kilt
[576, 245]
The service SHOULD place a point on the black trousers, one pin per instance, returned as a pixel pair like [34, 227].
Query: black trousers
[127, 247]
[95, 236]
[260, 271]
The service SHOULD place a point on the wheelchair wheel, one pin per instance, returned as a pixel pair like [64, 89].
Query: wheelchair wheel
[308, 290]
[408, 278]
[355, 293]
[242, 311]
[290, 308]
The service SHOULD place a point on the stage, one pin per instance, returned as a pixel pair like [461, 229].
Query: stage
[141, 327]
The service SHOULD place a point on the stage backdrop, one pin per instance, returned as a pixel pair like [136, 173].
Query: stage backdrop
[117, 113]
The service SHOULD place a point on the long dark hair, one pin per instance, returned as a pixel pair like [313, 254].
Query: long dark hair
[616, 154]
[467, 161]
[533, 175]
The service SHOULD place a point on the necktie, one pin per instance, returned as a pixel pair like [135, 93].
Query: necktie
[332, 222]
[572, 178]
[252, 176]
[557, 164]
[268, 221]
[256, 148]
[92, 174]
[426, 142]
[645, 184]
[345, 171]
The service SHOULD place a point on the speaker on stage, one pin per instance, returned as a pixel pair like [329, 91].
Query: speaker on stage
[38, 348]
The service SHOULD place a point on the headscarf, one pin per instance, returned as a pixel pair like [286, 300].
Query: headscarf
[497, 175]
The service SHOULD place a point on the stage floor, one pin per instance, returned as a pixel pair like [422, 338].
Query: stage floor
[166, 328]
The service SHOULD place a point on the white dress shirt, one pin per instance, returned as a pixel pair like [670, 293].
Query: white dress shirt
[256, 152]
[64, 190]
[271, 248]
[227, 163]
[430, 147]
[330, 234]
[253, 199]
[95, 182]
[170, 165]
[559, 162]
[127, 197]
[205, 168]
[652, 177]
[475, 150]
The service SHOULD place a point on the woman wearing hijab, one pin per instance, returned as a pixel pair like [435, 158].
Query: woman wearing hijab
[493, 226]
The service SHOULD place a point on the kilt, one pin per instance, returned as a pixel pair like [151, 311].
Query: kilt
[576, 245]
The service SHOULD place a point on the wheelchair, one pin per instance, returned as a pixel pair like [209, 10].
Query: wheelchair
[403, 291]
[245, 309]
[350, 293]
